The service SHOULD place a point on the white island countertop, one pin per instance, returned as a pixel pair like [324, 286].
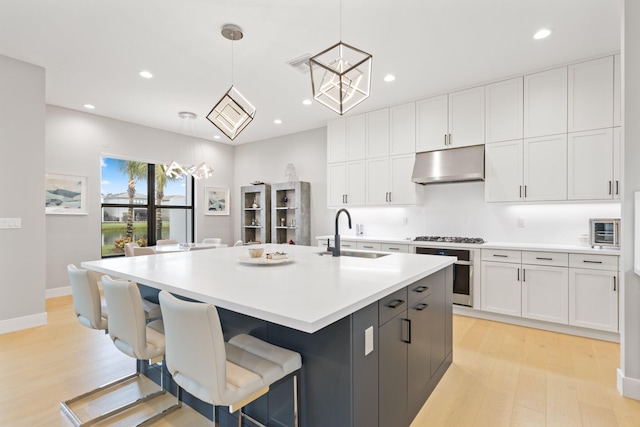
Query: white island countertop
[307, 294]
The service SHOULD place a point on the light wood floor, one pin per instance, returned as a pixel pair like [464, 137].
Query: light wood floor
[502, 375]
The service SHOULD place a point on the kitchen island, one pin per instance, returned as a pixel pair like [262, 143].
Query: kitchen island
[374, 334]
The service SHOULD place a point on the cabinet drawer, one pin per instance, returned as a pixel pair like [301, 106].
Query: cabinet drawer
[594, 262]
[389, 307]
[347, 244]
[419, 290]
[558, 259]
[368, 246]
[500, 255]
[396, 249]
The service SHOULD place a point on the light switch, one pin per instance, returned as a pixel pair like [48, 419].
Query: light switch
[368, 340]
[10, 222]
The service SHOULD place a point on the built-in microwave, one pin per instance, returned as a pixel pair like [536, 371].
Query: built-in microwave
[604, 232]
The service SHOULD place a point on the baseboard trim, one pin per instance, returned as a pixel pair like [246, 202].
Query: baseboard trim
[26, 322]
[628, 387]
[538, 324]
[57, 292]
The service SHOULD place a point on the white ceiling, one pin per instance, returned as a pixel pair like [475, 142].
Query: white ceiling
[93, 50]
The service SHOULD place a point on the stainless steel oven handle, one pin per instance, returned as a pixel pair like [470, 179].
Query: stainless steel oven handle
[463, 263]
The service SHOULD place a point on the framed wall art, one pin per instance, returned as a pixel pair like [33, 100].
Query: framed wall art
[216, 201]
[65, 194]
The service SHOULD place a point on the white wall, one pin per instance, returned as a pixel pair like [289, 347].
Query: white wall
[22, 140]
[75, 141]
[629, 372]
[266, 161]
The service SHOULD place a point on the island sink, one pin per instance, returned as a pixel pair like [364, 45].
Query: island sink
[358, 254]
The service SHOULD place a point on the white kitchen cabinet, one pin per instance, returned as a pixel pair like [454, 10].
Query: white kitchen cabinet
[504, 110]
[590, 95]
[617, 163]
[346, 139]
[402, 129]
[500, 288]
[590, 165]
[593, 299]
[346, 184]
[388, 181]
[531, 170]
[348, 244]
[450, 121]
[503, 171]
[545, 168]
[545, 293]
[545, 103]
[394, 248]
[617, 91]
[377, 133]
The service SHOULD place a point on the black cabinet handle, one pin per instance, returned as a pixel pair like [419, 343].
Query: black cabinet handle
[524, 272]
[422, 306]
[544, 259]
[518, 275]
[591, 262]
[406, 330]
[609, 187]
[500, 256]
[521, 191]
[614, 283]
[420, 289]
[395, 303]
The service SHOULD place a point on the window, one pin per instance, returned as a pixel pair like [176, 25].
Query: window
[141, 204]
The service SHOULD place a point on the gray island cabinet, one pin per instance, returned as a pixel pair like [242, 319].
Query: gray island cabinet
[375, 335]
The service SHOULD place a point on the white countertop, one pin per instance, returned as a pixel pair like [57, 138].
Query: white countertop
[545, 247]
[307, 294]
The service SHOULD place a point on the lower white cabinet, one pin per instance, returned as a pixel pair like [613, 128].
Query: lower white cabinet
[545, 293]
[593, 292]
[500, 289]
[394, 248]
[368, 246]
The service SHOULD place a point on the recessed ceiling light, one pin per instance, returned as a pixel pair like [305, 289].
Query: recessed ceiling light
[277, 121]
[216, 136]
[389, 78]
[145, 74]
[542, 33]
[307, 102]
[89, 106]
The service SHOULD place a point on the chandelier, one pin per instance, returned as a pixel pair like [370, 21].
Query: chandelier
[175, 170]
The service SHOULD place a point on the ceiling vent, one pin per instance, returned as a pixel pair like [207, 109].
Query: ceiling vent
[301, 63]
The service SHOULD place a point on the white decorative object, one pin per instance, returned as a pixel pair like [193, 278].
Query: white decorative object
[290, 173]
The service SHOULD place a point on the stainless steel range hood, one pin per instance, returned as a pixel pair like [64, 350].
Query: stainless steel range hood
[452, 165]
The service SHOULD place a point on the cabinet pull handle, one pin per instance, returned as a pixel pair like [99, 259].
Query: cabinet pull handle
[420, 306]
[591, 262]
[518, 275]
[525, 191]
[614, 283]
[395, 303]
[393, 249]
[524, 274]
[367, 247]
[445, 139]
[520, 192]
[617, 187]
[544, 258]
[389, 196]
[406, 330]
[449, 139]
[420, 289]
[500, 256]
[609, 187]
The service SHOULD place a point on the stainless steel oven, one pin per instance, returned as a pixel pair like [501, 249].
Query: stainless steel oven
[462, 272]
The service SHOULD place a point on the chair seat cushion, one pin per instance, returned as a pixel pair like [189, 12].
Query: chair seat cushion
[267, 360]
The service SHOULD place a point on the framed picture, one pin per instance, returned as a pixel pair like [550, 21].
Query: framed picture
[216, 201]
[65, 194]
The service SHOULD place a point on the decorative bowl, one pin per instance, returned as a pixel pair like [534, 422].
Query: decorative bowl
[256, 252]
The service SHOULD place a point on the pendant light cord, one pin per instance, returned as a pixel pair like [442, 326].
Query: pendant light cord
[232, 61]
[340, 21]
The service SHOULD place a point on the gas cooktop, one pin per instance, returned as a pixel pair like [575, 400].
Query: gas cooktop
[475, 240]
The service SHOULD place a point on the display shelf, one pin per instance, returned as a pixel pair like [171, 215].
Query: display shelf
[256, 208]
[290, 203]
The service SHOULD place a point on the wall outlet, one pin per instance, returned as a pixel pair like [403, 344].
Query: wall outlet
[520, 222]
[10, 222]
[368, 340]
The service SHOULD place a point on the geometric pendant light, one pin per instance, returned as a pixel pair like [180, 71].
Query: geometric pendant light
[341, 77]
[233, 112]
[198, 171]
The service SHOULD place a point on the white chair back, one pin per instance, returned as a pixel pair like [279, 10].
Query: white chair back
[86, 298]
[137, 251]
[214, 240]
[238, 243]
[127, 325]
[128, 248]
[167, 242]
[198, 356]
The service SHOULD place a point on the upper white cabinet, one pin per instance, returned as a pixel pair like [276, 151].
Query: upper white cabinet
[449, 121]
[389, 181]
[591, 165]
[531, 170]
[617, 91]
[591, 95]
[346, 138]
[402, 122]
[504, 110]
[617, 163]
[545, 103]
[378, 133]
[346, 184]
